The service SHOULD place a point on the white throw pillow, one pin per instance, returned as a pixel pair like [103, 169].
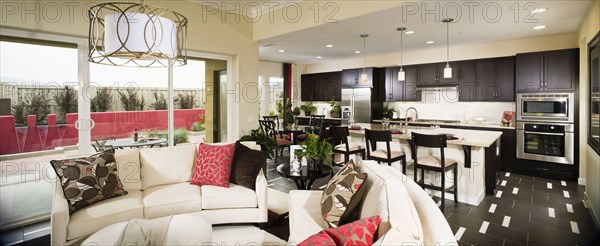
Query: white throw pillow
[168, 165]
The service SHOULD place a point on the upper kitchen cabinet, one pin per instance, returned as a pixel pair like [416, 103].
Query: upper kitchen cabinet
[432, 74]
[552, 71]
[495, 79]
[467, 81]
[351, 78]
[321, 87]
[395, 90]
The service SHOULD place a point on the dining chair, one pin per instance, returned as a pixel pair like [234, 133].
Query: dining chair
[268, 127]
[315, 125]
[385, 154]
[439, 164]
[275, 119]
[101, 146]
[339, 140]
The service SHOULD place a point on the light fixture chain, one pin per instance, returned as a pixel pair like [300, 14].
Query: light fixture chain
[448, 42]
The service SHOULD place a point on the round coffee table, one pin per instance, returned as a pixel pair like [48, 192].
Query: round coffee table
[303, 175]
[184, 229]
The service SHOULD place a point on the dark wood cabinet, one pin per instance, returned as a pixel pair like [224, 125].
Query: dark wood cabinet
[495, 79]
[321, 87]
[467, 81]
[552, 71]
[432, 74]
[395, 90]
[351, 78]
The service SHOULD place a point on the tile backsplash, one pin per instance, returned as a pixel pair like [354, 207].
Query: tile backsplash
[444, 105]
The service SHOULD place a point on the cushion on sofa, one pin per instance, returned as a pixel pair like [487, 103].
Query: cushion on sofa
[88, 180]
[360, 232]
[384, 191]
[170, 165]
[246, 165]
[213, 166]
[236, 196]
[128, 163]
[96, 216]
[342, 195]
[171, 199]
[305, 214]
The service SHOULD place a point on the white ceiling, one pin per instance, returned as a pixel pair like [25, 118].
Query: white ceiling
[304, 46]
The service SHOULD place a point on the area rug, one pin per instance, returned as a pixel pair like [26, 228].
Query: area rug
[243, 235]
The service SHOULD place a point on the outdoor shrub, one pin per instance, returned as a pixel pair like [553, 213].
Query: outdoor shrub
[130, 100]
[180, 136]
[66, 101]
[19, 113]
[198, 126]
[160, 102]
[36, 103]
[186, 101]
[103, 100]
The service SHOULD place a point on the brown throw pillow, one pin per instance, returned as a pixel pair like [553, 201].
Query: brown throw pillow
[246, 165]
[88, 180]
[342, 195]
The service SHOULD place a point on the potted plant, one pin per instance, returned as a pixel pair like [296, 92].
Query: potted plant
[308, 108]
[336, 109]
[386, 111]
[317, 152]
[266, 142]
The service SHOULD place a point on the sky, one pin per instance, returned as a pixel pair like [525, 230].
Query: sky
[26, 63]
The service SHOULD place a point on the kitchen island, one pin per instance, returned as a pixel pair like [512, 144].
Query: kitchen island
[477, 154]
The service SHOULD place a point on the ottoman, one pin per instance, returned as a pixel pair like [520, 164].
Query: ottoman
[184, 229]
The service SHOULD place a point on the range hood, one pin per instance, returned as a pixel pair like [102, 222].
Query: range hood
[437, 87]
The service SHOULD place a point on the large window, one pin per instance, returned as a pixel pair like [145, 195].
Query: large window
[594, 87]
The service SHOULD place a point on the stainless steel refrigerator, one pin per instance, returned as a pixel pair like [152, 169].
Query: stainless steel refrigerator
[359, 100]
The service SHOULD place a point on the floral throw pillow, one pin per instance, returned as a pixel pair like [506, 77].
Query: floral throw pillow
[213, 166]
[342, 195]
[360, 232]
[88, 180]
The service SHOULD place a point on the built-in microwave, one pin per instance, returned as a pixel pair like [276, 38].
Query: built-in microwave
[546, 107]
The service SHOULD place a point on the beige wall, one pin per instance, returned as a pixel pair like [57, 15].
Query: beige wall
[457, 52]
[590, 161]
[206, 33]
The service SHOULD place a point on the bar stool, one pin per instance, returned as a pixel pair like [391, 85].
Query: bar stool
[383, 155]
[434, 163]
[342, 146]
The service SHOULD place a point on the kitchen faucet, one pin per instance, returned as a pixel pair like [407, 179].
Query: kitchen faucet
[416, 113]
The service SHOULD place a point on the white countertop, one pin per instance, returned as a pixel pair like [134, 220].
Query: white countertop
[464, 124]
[465, 137]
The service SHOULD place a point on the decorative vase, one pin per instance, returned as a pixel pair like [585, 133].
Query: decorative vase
[306, 113]
[315, 165]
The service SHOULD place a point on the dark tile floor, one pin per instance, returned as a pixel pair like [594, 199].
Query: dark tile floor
[525, 210]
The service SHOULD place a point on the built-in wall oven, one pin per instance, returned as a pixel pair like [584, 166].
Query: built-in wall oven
[549, 142]
[545, 127]
[546, 107]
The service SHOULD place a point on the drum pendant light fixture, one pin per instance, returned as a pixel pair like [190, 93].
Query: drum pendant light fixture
[447, 69]
[401, 73]
[364, 78]
[136, 34]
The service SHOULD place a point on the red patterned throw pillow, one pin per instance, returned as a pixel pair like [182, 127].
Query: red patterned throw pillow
[360, 232]
[213, 166]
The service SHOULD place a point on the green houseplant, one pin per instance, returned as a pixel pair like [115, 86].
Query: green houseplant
[336, 109]
[308, 108]
[386, 111]
[266, 142]
[317, 152]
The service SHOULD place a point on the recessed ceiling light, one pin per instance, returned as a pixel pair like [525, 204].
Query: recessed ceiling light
[538, 27]
[319, 57]
[429, 42]
[409, 32]
[329, 46]
[281, 51]
[357, 52]
[540, 10]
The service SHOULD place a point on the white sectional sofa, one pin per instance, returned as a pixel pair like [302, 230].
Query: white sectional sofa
[408, 215]
[157, 182]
